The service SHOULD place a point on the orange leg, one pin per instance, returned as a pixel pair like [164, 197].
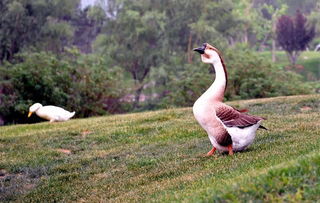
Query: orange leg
[230, 149]
[211, 152]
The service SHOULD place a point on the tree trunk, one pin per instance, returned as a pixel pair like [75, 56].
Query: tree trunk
[273, 51]
[245, 36]
[290, 56]
[273, 36]
[293, 57]
[296, 56]
[189, 48]
[231, 41]
[263, 42]
[137, 96]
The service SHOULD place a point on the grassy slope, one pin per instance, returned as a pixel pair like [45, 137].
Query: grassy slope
[155, 156]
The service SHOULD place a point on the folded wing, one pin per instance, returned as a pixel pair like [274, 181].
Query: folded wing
[232, 117]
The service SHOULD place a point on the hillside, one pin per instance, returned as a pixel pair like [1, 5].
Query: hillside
[156, 156]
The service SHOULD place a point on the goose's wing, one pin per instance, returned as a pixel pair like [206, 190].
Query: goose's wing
[55, 110]
[232, 117]
[56, 113]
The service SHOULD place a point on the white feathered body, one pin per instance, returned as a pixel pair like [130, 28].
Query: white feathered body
[241, 137]
[54, 113]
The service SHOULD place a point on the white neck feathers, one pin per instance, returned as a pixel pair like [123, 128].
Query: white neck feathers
[216, 91]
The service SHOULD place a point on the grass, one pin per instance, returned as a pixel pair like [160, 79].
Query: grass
[309, 62]
[156, 157]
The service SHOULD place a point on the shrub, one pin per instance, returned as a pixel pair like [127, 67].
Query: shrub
[187, 86]
[252, 76]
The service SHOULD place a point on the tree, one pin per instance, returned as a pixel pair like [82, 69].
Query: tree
[134, 40]
[293, 35]
[42, 24]
[271, 13]
[17, 27]
[314, 18]
[88, 24]
[264, 23]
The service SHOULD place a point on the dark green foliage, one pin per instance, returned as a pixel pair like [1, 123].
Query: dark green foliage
[83, 84]
[188, 85]
[88, 23]
[43, 24]
[251, 76]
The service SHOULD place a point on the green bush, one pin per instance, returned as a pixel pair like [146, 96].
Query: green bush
[80, 83]
[251, 76]
[187, 86]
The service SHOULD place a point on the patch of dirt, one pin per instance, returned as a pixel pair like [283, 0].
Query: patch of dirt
[305, 108]
[65, 151]
[86, 132]
[12, 185]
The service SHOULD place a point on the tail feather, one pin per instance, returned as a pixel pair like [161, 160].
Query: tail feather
[262, 127]
[72, 114]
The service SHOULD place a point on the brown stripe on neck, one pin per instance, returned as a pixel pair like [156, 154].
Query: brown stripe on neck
[224, 67]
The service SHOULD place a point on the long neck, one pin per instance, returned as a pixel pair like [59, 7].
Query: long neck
[217, 89]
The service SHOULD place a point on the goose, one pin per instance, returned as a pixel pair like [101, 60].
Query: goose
[229, 130]
[50, 113]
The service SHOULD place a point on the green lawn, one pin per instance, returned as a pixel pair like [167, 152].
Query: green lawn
[309, 62]
[156, 157]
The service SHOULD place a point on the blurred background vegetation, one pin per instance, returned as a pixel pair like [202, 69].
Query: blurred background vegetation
[117, 56]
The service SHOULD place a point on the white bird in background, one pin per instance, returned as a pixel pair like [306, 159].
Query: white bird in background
[228, 129]
[50, 113]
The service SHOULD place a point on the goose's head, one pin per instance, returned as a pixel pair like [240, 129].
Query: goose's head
[209, 54]
[34, 108]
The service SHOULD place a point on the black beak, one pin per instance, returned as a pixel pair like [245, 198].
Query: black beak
[200, 50]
